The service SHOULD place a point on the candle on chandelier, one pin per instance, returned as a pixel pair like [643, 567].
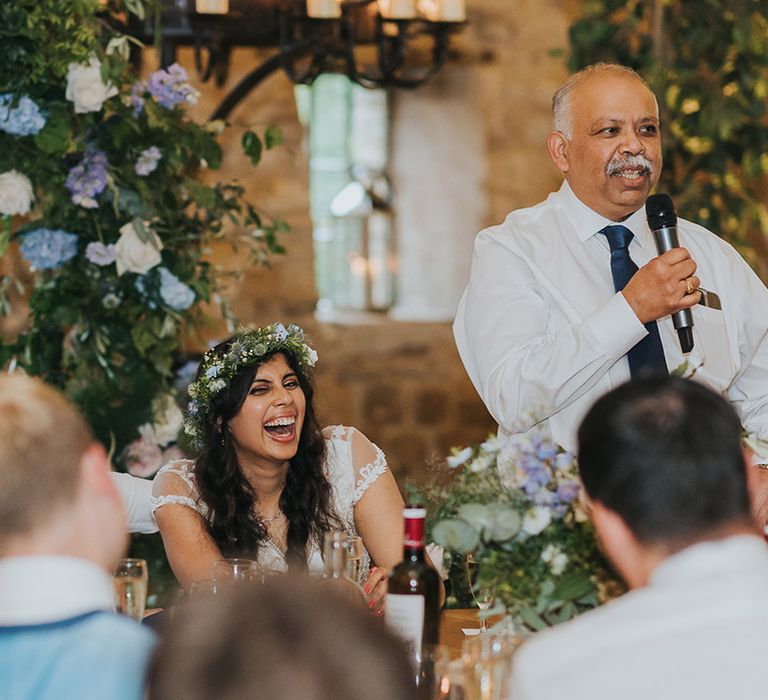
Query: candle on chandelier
[324, 9]
[443, 10]
[397, 9]
[212, 7]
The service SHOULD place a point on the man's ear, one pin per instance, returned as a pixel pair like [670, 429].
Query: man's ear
[94, 467]
[619, 544]
[757, 487]
[557, 145]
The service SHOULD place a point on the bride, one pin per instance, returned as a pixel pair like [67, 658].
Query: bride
[267, 482]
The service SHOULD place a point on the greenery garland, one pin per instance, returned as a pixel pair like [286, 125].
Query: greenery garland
[708, 64]
[102, 197]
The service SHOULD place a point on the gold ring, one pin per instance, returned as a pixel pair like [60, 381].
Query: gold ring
[689, 288]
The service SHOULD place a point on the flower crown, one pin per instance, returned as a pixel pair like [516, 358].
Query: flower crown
[247, 347]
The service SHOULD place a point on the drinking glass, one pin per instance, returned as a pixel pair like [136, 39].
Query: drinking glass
[130, 579]
[235, 571]
[201, 589]
[483, 592]
[432, 672]
[354, 565]
[488, 665]
[335, 553]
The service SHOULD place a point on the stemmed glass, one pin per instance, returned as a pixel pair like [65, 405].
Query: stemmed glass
[483, 592]
[354, 565]
[130, 579]
[230, 571]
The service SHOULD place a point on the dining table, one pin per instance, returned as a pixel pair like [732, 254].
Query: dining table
[453, 622]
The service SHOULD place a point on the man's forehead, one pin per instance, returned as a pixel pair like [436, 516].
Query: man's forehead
[604, 96]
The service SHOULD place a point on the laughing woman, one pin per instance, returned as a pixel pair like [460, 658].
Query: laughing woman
[267, 482]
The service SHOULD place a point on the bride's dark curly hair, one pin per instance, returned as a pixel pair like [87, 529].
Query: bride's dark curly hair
[223, 488]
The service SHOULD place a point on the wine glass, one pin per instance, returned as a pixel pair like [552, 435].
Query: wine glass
[482, 591]
[130, 579]
[335, 553]
[487, 660]
[235, 571]
[354, 565]
[203, 588]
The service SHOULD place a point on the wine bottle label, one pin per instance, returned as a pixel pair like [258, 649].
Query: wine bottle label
[405, 616]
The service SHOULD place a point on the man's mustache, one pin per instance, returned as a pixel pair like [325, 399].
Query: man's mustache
[638, 161]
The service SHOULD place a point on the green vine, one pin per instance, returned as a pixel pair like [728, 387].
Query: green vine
[707, 61]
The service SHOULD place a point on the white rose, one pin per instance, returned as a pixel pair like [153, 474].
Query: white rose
[15, 193]
[134, 255]
[436, 554]
[85, 87]
[168, 420]
[559, 562]
[536, 519]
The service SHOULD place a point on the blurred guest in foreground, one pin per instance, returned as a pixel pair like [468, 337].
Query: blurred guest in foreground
[287, 639]
[62, 530]
[663, 467]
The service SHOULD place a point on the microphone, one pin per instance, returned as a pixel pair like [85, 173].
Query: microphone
[662, 220]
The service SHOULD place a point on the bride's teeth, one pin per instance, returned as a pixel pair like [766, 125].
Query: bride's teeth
[280, 421]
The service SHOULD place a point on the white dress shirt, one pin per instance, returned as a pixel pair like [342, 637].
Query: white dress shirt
[136, 495]
[542, 332]
[39, 589]
[698, 630]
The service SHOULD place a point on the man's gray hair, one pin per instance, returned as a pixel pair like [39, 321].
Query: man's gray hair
[562, 109]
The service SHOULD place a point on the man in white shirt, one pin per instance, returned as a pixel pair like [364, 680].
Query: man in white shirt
[542, 330]
[663, 468]
[62, 531]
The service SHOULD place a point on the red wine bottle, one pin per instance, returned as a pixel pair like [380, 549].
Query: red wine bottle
[413, 588]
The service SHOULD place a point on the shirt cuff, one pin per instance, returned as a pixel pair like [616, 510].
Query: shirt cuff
[614, 328]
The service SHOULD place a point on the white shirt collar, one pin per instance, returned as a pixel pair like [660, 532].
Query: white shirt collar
[39, 589]
[714, 557]
[587, 222]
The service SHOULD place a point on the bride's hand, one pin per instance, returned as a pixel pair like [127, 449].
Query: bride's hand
[375, 589]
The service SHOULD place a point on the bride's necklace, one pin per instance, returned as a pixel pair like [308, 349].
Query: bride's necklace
[268, 521]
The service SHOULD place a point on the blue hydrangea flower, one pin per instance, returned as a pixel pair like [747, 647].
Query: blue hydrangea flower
[174, 292]
[213, 371]
[47, 249]
[546, 450]
[564, 460]
[171, 87]
[137, 97]
[88, 179]
[23, 119]
[279, 332]
[147, 161]
[142, 289]
[100, 254]
[185, 375]
[568, 491]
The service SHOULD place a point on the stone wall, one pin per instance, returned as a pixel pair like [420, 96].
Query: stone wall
[402, 383]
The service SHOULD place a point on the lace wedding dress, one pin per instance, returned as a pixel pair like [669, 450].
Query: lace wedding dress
[352, 464]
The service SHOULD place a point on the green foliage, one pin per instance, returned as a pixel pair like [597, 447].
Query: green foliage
[512, 508]
[110, 337]
[708, 64]
[38, 39]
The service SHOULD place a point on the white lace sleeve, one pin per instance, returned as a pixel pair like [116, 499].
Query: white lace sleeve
[368, 461]
[174, 484]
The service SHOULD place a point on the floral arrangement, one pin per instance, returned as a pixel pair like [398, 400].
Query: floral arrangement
[107, 207]
[247, 348]
[513, 505]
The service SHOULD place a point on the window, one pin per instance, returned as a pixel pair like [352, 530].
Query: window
[348, 129]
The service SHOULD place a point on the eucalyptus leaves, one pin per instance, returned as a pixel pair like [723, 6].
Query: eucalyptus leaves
[513, 504]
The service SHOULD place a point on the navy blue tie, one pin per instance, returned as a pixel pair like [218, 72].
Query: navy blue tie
[647, 357]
